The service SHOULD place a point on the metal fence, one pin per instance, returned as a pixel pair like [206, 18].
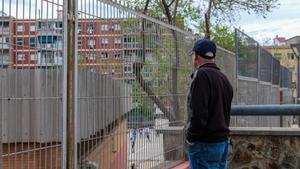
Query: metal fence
[261, 80]
[130, 86]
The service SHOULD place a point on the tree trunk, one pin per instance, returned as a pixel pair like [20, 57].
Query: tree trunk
[207, 21]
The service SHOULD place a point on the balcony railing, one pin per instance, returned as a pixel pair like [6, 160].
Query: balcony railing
[4, 45]
[50, 61]
[50, 46]
[132, 45]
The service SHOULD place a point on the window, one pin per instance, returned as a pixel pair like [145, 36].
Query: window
[32, 27]
[20, 41]
[79, 28]
[90, 28]
[118, 55]
[104, 55]
[277, 55]
[91, 43]
[91, 56]
[118, 40]
[20, 28]
[290, 56]
[20, 57]
[117, 27]
[127, 69]
[104, 27]
[79, 42]
[81, 57]
[104, 41]
[33, 57]
[32, 42]
[59, 25]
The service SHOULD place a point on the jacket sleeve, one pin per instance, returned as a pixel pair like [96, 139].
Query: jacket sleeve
[200, 96]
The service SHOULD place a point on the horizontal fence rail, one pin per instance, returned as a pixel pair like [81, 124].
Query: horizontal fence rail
[266, 110]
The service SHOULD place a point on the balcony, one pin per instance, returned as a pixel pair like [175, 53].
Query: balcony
[4, 46]
[132, 45]
[53, 61]
[132, 59]
[50, 32]
[51, 46]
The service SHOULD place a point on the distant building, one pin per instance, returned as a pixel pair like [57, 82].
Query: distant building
[6, 39]
[284, 53]
[279, 41]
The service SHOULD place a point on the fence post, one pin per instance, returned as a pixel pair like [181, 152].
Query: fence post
[68, 159]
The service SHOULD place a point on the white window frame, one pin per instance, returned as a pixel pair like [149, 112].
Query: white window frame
[91, 56]
[20, 57]
[128, 67]
[102, 54]
[118, 53]
[90, 29]
[79, 28]
[33, 57]
[118, 40]
[104, 41]
[92, 44]
[32, 27]
[20, 28]
[117, 27]
[104, 27]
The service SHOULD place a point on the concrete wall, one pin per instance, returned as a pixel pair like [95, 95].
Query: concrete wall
[31, 104]
[112, 151]
[264, 148]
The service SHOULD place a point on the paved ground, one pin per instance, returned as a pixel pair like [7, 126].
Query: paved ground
[146, 154]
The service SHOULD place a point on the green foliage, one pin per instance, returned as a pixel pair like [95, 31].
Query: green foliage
[186, 10]
[143, 104]
[222, 35]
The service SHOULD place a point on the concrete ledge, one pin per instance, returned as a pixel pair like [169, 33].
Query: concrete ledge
[265, 131]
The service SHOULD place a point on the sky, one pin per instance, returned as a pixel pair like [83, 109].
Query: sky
[284, 21]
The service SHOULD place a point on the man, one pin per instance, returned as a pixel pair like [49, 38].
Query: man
[133, 139]
[209, 104]
[147, 133]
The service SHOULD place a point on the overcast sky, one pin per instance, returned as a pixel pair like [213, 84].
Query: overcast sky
[283, 21]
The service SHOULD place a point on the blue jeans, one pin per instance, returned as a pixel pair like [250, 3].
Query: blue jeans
[208, 155]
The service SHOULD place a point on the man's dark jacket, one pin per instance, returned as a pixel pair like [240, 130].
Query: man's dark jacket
[209, 105]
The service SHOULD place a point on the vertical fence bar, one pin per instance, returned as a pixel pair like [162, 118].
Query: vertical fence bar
[71, 84]
[65, 84]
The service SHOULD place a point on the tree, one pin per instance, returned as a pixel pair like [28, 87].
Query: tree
[168, 11]
[221, 35]
[228, 10]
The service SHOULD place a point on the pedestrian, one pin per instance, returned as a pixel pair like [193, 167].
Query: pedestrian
[209, 106]
[147, 133]
[133, 139]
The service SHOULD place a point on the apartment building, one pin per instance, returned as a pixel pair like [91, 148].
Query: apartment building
[6, 34]
[101, 46]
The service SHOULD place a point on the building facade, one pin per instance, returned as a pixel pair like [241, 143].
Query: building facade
[6, 39]
[38, 43]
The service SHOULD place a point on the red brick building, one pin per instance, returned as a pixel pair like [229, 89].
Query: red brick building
[39, 43]
[100, 44]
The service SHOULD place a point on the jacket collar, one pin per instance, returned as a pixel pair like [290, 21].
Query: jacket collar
[211, 65]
